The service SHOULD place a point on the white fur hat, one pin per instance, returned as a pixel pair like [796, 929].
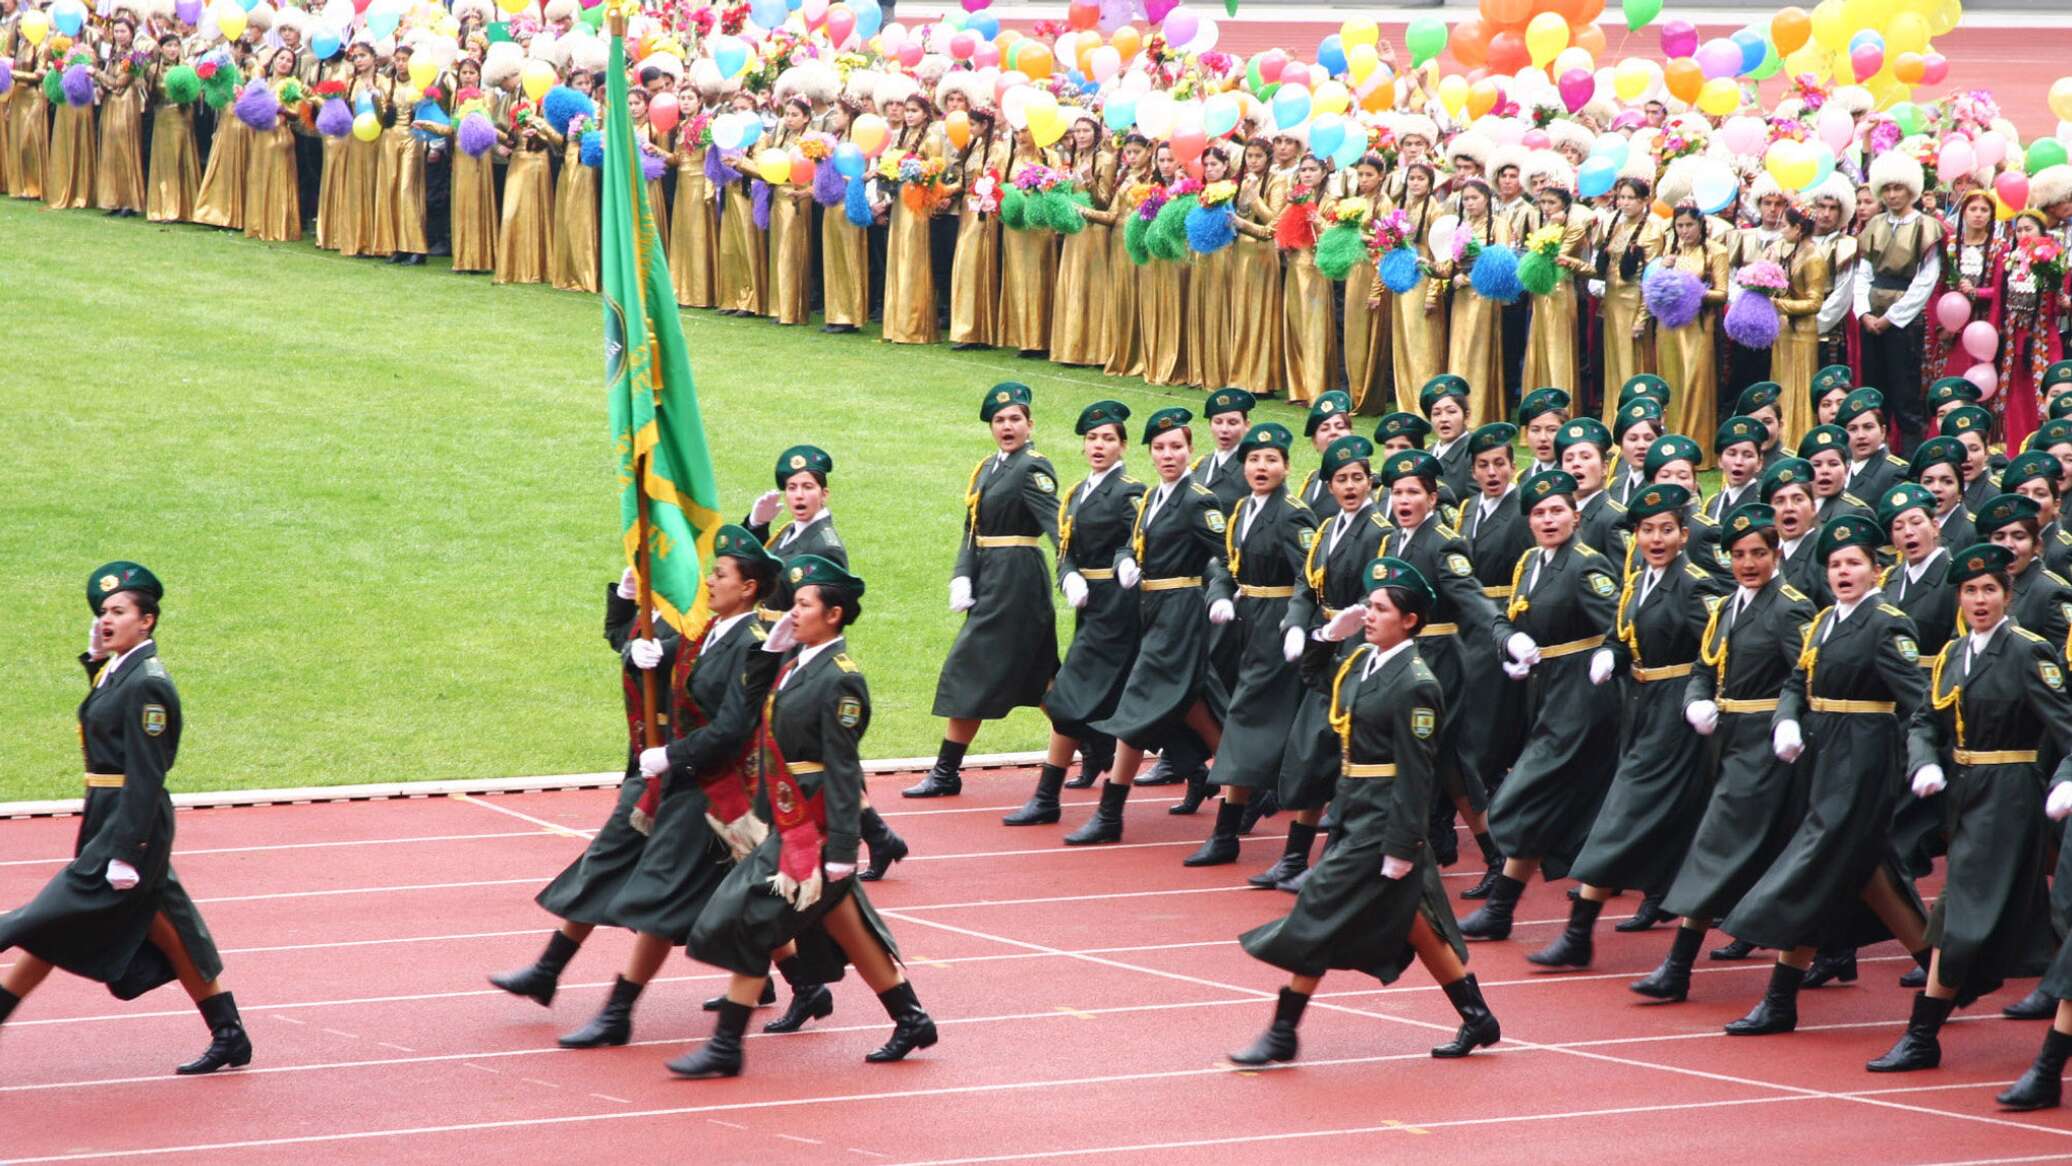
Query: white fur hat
[560, 10]
[1639, 164]
[931, 70]
[976, 93]
[501, 63]
[706, 80]
[1562, 130]
[2050, 186]
[1897, 166]
[669, 63]
[261, 16]
[1417, 125]
[481, 8]
[290, 16]
[588, 53]
[1836, 186]
[1550, 165]
[1600, 109]
[893, 87]
[1763, 187]
[1504, 156]
[1676, 180]
[1469, 145]
[811, 80]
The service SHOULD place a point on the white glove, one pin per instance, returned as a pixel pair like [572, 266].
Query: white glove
[94, 650]
[1517, 671]
[1342, 625]
[2059, 803]
[654, 762]
[1074, 587]
[121, 875]
[1222, 612]
[766, 507]
[960, 593]
[1596, 289]
[1522, 649]
[1928, 781]
[783, 634]
[1126, 572]
[1702, 715]
[837, 871]
[1291, 645]
[1601, 664]
[629, 585]
[1393, 867]
[644, 654]
[1786, 742]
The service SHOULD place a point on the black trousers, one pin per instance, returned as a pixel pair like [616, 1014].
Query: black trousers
[1892, 365]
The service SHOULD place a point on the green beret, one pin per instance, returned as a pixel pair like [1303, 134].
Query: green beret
[1948, 389]
[1735, 430]
[2035, 464]
[1760, 395]
[1229, 401]
[1495, 435]
[1408, 425]
[2057, 431]
[736, 542]
[2059, 373]
[1859, 402]
[1747, 517]
[1002, 395]
[1582, 431]
[814, 571]
[1902, 498]
[1662, 498]
[1984, 559]
[1943, 451]
[1325, 407]
[1170, 417]
[1673, 447]
[803, 457]
[1834, 376]
[1266, 435]
[1346, 450]
[1541, 401]
[1824, 437]
[1791, 471]
[1966, 419]
[1544, 485]
[1103, 413]
[1850, 530]
[2061, 406]
[1446, 384]
[120, 575]
[1644, 384]
[2004, 510]
[1389, 571]
[1409, 463]
[1634, 412]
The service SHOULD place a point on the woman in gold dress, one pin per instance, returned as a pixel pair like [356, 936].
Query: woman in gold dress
[570, 235]
[351, 221]
[845, 259]
[221, 200]
[694, 218]
[273, 194]
[1125, 340]
[910, 316]
[744, 288]
[124, 88]
[1081, 321]
[975, 261]
[1688, 356]
[1309, 336]
[174, 177]
[472, 220]
[28, 122]
[1551, 356]
[1635, 237]
[68, 171]
[1474, 330]
[791, 224]
[1795, 357]
[1253, 359]
[1162, 288]
[399, 183]
[1366, 343]
[1212, 294]
[649, 141]
[1417, 322]
[529, 243]
[1028, 263]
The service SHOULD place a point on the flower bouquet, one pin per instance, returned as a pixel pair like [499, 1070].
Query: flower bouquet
[1395, 249]
[1167, 238]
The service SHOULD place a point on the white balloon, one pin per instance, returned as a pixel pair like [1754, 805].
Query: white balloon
[1134, 81]
[1442, 235]
[1155, 114]
[1204, 39]
[1572, 57]
[1014, 106]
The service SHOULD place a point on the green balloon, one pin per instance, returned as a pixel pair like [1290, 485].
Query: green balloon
[1907, 116]
[1253, 80]
[1426, 38]
[1771, 63]
[2047, 152]
[1640, 12]
[594, 16]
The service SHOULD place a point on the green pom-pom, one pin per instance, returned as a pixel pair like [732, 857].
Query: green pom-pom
[1133, 238]
[1339, 249]
[1168, 237]
[1014, 209]
[220, 90]
[1062, 209]
[182, 85]
[54, 87]
[1537, 274]
[291, 92]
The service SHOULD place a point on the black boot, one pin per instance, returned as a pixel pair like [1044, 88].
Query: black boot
[1042, 807]
[1918, 1047]
[1492, 863]
[911, 1027]
[1672, 981]
[1778, 1010]
[1221, 848]
[1837, 964]
[2037, 1005]
[611, 1026]
[1478, 1024]
[886, 847]
[1193, 796]
[1914, 978]
[1265, 805]
[1096, 756]
[1573, 947]
[1278, 1042]
[228, 1044]
[1293, 861]
[1162, 771]
[538, 981]
[1739, 949]
[1444, 838]
[809, 1001]
[1492, 920]
[1106, 824]
[2041, 1086]
[946, 779]
[720, 1055]
[768, 998]
[1649, 914]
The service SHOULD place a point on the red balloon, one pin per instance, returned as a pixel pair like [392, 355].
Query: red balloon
[1271, 64]
[1469, 43]
[1507, 52]
[1188, 146]
[1507, 13]
[1083, 14]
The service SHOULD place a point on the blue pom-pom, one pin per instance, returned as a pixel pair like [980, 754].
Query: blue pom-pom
[562, 104]
[1400, 271]
[592, 149]
[1495, 275]
[855, 206]
[1210, 229]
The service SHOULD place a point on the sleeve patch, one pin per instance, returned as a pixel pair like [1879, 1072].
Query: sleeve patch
[1908, 650]
[1423, 723]
[1601, 583]
[1307, 536]
[154, 720]
[1458, 564]
[2051, 675]
[1044, 482]
[1214, 519]
[849, 712]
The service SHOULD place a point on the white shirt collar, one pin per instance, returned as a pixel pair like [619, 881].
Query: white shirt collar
[1583, 500]
[806, 655]
[1980, 639]
[1223, 456]
[1744, 596]
[1916, 570]
[798, 528]
[1786, 548]
[1489, 504]
[720, 627]
[1845, 610]
[1377, 658]
[1445, 447]
[1095, 479]
[116, 663]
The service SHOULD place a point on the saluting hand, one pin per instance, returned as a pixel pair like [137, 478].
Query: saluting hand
[766, 508]
[94, 650]
[1342, 625]
[783, 634]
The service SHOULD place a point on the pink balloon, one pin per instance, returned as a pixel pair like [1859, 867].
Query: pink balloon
[962, 45]
[1956, 158]
[2013, 189]
[987, 56]
[1720, 57]
[976, 5]
[1535, 140]
[1991, 147]
[840, 23]
[1577, 87]
[1980, 340]
[663, 111]
[1835, 127]
[1867, 59]
[1952, 311]
[1680, 39]
[1181, 26]
[910, 53]
[1271, 62]
[1934, 68]
[1987, 380]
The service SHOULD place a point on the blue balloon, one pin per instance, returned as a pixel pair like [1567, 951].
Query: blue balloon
[1868, 36]
[1753, 48]
[982, 22]
[751, 130]
[1290, 106]
[732, 58]
[849, 160]
[1326, 134]
[869, 18]
[1596, 177]
[325, 44]
[1612, 148]
[68, 18]
[767, 13]
[1350, 151]
[1120, 113]
[1331, 54]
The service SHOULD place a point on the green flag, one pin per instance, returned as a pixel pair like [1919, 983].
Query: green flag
[660, 437]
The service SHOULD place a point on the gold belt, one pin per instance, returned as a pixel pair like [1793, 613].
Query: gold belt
[802, 767]
[1497, 592]
[1729, 704]
[996, 541]
[1368, 769]
[114, 780]
[1173, 584]
[1665, 672]
[1571, 648]
[1101, 574]
[1821, 704]
[1439, 629]
[1250, 591]
[1994, 756]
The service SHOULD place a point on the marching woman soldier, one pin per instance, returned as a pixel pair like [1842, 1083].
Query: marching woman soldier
[1173, 552]
[1582, 446]
[1858, 675]
[1739, 447]
[1007, 650]
[118, 913]
[1563, 592]
[1787, 488]
[1748, 648]
[1375, 900]
[1918, 585]
[2042, 599]
[1658, 792]
[1267, 539]
[796, 889]
[1497, 534]
[1444, 400]
[1938, 466]
[1994, 693]
[1330, 418]
[1093, 527]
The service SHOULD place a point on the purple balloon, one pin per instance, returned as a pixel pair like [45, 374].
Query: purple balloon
[1115, 14]
[1719, 57]
[1181, 26]
[1679, 39]
[187, 11]
[6, 74]
[1155, 10]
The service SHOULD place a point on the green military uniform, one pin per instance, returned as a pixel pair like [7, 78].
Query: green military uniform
[1491, 727]
[1954, 528]
[1979, 489]
[1755, 398]
[2055, 550]
[1456, 462]
[1734, 431]
[1625, 480]
[1094, 522]
[816, 537]
[1225, 475]
[1702, 544]
[1931, 602]
[1881, 471]
[1601, 521]
[2042, 600]
[1798, 565]
[1316, 489]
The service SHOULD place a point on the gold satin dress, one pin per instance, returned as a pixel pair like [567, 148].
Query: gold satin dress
[221, 199]
[790, 257]
[330, 181]
[571, 236]
[1551, 356]
[1125, 335]
[743, 271]
[1163, 315]
[1626, 356]
[1253, 357]
[399, 181]
[657, 197]
[273, 191]
[1475, 334]
[1309, 337]
[351, 226]
[530, 247]
[174, 179]
[1688, 357]
[1795, 357]
[694, 232]
[845, 269]
[1211, 312]
[472, 219]
[1417, 321]
[1365, 343]
[1028, 273]
[120, 180]
[1082, 317]
[28, 135]
[68, 171]
[975, 266]
[909, 278]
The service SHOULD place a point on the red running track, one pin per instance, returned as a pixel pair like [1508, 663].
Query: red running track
[1085, 997]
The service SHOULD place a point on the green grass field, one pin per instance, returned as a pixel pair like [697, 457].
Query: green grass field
[382, 500]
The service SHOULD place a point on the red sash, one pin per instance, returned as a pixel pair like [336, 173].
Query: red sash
[684, 713]
[800, 818]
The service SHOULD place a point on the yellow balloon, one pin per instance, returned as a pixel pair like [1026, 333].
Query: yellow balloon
[35, 26]
[1888, 92]
[1845, 69]
[422, 74]
[773, 165]
[1812, 61]
[1358, 31]
[1907, 33]
[1858, 15]
[1791, 164]
[1719, 97]
[2060, 98]
[1631, 79]
[1046, 126]
[869, 133]
[513, 7]
[1947, 14]
[537, 77]
[1453, 93]
[1545, 37]
[366, 127]
[1828, 30]
[448, 27]
[1360, 62]
[230, 21]
[1334, 97]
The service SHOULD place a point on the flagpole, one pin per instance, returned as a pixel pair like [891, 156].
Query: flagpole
[644, 621]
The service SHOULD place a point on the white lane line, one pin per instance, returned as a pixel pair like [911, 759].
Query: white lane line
[1062, 849]
[951, 811]
[535, 880]
[183, 854]
[609, 1097]
[556, 827]
[806, 1141]
[346, 1035]
[338, 943]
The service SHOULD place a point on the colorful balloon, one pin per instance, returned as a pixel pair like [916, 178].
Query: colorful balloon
[1545, 37]
[1426, 38]
[1639, 12]
[2013, 189]
[1980, 339]
[1952, 311]
[1679, 39]
[1790, 29]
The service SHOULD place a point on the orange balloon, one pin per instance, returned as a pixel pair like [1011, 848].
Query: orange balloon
[1909, 68]
[1684, 78]
[1573, 11]
[1469, 43]
[1382, 96]
[1589, 38]
[1663, 210]
[1084, 56]
[1790, 29]
[1034, 60]
[1502, 14]
[1127, 41]
[1507, 52]
[1482, 97]
[958, 126]
[1007, 37]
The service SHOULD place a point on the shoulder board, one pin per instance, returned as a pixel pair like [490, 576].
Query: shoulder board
[1422, 671]
[2024, 633]
[1586, 550]
[1202, 490]
[1853, 500]
[1888, 609]
[1448, 532]
[2056, 578]
[1902, 463]
[1130, 480]
[1196, 463]
[154, 667]
[1794, 593]
[2062, 536]
[756, 629]
[1379, 521]
[1617, 506]
[1695, 571]
[843, 662]
[1701, 518]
